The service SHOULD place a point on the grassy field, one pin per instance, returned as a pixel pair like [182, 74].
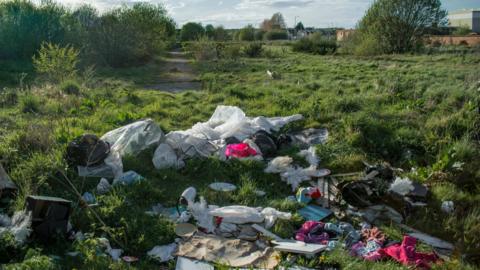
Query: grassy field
[414, 111]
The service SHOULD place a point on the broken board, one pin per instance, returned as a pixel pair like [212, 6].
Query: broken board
[298, 247]
[189, 264]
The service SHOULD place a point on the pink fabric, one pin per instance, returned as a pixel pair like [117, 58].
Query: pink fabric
[308, 232]
[406, 254]
[240, 150]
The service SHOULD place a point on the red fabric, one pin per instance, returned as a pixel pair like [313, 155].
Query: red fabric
[240, 150]
[406, 254]
[315, 194]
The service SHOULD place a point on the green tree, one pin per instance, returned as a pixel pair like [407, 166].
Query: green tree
[220, 34]
[299, 26]
[192, 31]
[210, 31]
[247, 33]
[397, 26]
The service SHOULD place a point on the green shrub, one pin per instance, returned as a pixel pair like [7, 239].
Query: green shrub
[232, 51]
[259, 34]
[192, 31]
[253, 49]
[57, 63]
[30, 103]
[8, 97]
[203, 49]
[462, 31]
[315, 44]
[70, 87]
[276, 35]
[246, 34]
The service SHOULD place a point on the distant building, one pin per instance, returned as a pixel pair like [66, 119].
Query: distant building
[465, 18]
[344, 34]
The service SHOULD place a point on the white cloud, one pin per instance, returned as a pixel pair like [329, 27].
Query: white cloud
[251, 4]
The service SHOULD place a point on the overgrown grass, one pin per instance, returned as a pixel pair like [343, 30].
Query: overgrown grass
[417, 111]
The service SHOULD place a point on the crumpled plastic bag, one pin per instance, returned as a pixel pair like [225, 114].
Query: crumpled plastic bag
[271, 215]
[201, 213]
[19, 225]
[402, 186]
[129, 140]
[103, 186]
[165, 157]
[295, 176]
[238, 214]
[115, 253]
[279, 165]
[310, 155]
[163, 253]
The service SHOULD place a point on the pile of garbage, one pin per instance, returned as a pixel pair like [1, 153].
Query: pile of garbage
[340, 211]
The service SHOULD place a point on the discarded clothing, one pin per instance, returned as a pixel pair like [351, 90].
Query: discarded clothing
[266, 143]
[232, 252]
[241, 150]
[405, 254]
[312, 232]
[369, 252]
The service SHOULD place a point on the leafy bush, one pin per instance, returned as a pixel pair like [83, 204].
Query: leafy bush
[203, 49]
[8, 97]
[276, 35]
[232, 51]
[57, 63]
[253, 49]
[29, 103]
[70, 87]
[462, 31]
[246, 34]
[315, 44]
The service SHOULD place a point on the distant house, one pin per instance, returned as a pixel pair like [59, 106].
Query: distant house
[465, 18]
[344, 34]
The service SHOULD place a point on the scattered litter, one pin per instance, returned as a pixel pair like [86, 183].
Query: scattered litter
[448, 207]
[306, 195]
[240, 150]
[188, 264]
[232, 252]
[401, 186]
[247, 233]
[271, 215]
[432, 241]
[201, 212]
[378, 213]
[310, 155]
[158, 209]
[208, 138]
[98, 171]
[298, 247]
[260, 193]
[309, 137]
[18, 225]
[130, 259]
[238, 214]
[128, 178]
[165, 157]
[88, 198]
[405, 254]
[266, 233]
[314, 212]
[185, 230]
[265, 143]
[103, 186]
[130, 140]
[49, 215]
[279, 165]
[114, 253]
[87, 150]
[163, 253]
[225, 187]
[5, 181]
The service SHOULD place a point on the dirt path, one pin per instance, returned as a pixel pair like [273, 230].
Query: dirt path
[177, 74]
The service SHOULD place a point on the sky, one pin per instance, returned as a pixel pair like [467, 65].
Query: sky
[238, 13]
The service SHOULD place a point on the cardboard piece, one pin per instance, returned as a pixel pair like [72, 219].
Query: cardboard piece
[49, 215]
[314, 213]
[298, 247]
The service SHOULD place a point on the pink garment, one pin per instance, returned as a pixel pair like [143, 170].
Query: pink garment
[240, 150]
[312, 232]
[406, 254]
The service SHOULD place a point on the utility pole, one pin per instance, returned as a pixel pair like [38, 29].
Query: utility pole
[295, 26]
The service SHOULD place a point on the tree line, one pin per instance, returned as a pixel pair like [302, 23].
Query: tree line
[125, 36]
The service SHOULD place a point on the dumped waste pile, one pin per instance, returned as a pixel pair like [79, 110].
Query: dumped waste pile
[338, 210]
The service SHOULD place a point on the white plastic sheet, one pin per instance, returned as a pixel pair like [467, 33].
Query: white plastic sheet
[165, 157]
[238, 214]
[271, 215]
[130, 140]
[201, 212]
[18, 225]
